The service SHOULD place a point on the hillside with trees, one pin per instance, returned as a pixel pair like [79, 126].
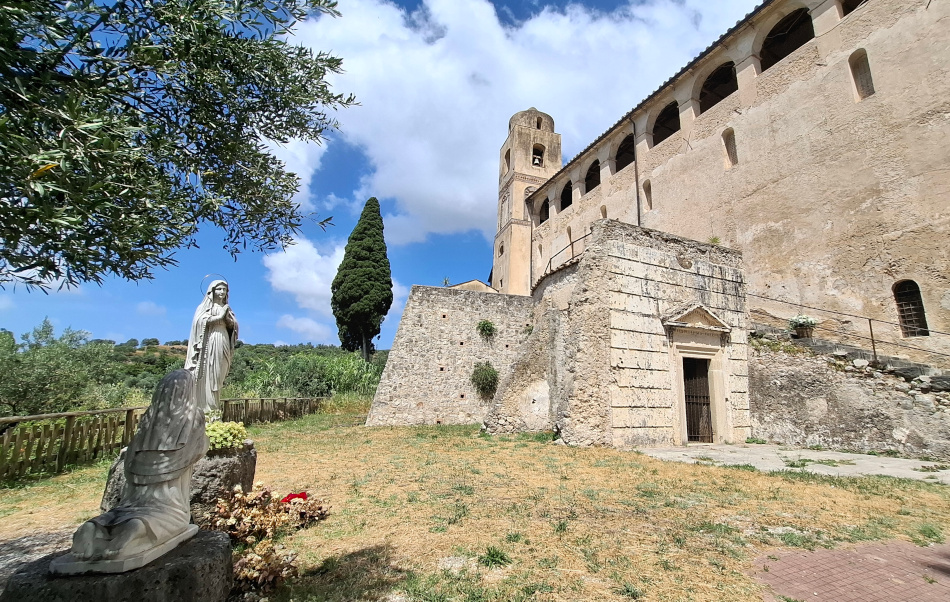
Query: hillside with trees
[45, 373]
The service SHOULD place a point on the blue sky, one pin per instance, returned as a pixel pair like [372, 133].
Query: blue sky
[437, 81]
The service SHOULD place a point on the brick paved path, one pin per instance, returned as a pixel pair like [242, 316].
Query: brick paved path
[894, 571]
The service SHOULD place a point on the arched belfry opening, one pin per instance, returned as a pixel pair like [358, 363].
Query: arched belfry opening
[861, 74]
[545, 212]
[721, 83]
[537, 153]
[788, 35]
[592, 180]
[848, 6]
[567, 195]
[667, 123]
[626, 152]
[910, 309]
[539, 123]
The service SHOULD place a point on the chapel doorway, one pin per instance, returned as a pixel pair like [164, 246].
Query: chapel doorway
[696, 387]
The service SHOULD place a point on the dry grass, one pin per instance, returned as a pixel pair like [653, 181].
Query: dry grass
[576, 524]
[563, 523]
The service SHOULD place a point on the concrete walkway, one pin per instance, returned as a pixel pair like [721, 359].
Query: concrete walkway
[778, 457]
[893, 571]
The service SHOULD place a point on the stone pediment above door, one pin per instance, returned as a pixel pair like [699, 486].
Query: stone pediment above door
[695, 317]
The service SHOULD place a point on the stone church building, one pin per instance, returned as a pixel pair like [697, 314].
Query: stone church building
[799, 164]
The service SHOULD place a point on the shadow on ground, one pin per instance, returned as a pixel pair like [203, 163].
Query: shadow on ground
[14, 553]
[367, 574]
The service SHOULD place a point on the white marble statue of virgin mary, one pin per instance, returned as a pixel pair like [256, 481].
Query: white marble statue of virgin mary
[154, 514]
[214, 334]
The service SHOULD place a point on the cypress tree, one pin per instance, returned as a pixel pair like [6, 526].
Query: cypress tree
[363, 286]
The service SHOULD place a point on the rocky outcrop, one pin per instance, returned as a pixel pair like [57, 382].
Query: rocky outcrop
[836, 402]
[214, 476]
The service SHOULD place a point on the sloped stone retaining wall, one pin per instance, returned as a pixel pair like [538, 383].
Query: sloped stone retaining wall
[805, 399]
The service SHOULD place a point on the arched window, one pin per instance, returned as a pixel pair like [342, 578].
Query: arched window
[501, 249]
[603, 211]
[507, 160]
[848, 6]
[544, 213]
[567, 195]
[786, 37]
[537, 155]
[720, 84]
[667, 123]
[729, 144]
[539, 123]
[592, 180]
[626, 152]
[861, 74]
[648, 194]
[910, 309]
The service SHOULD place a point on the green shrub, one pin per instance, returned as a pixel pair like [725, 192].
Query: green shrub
[494, 557]
[486, 328]
[225, 435]
[485, 379]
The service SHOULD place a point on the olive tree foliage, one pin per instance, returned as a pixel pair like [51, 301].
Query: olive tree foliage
[47, 374]
[362, 290]
[124, 124]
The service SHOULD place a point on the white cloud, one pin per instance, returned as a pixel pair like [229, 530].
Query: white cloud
[6, 302]
[306, 273]
[437, 89]
[150, 308]
[302, 158]
[315, 332]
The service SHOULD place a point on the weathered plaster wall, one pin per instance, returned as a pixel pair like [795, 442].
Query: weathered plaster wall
[812, 400]
[427, 379]
[601, 368]
[832, 201]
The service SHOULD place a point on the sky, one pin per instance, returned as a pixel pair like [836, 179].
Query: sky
[437, 81]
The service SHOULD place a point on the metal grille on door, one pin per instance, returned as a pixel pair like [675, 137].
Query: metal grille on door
[696, 386]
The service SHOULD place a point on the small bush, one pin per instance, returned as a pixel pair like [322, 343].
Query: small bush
[263, 567]
[755, 440]
[494, 557]
[486, 328]
[485, 379]
[261, 514]
[225, 435]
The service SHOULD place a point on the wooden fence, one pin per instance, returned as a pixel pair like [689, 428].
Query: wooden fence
[68, 438]
[59, 440]
[268, 409]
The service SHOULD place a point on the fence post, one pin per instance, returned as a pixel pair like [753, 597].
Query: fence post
[64, 446]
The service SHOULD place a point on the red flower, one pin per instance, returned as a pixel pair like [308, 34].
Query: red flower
[295, 496]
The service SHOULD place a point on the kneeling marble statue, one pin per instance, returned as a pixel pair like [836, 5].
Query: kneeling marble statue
[154, 514]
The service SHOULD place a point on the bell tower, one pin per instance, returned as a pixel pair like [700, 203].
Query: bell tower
[529, 157]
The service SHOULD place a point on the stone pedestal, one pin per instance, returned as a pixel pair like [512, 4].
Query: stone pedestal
[198, 570]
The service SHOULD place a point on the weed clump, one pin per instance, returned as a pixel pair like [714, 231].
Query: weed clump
[485, 379]
[494, 557]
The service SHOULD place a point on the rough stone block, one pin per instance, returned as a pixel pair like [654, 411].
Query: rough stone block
[647, 360]
[624, 397]
[198, 570]
[644, 379]
[642, 417]
[622, 320]
[214, 476]
[625, 339]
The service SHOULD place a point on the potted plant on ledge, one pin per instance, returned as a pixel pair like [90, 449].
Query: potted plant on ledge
[803, 326]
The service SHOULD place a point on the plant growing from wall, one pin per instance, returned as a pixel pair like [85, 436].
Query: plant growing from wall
[802, 321]
[485, 379]
[486, 329]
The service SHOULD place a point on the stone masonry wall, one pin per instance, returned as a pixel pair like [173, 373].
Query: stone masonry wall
[652, 276]
[803, 399]
[427, 379]
[598, 367]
